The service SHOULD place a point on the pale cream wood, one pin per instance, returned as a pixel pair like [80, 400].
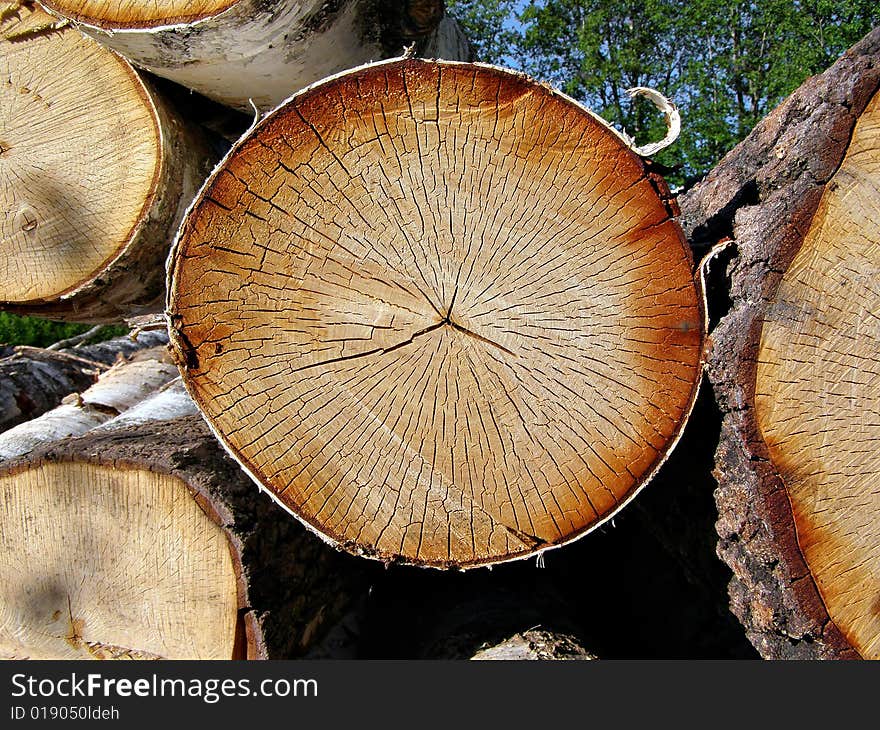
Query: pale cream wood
[111, 564]
[79, 159]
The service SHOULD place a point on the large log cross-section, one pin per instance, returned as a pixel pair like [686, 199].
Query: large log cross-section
[440, 312]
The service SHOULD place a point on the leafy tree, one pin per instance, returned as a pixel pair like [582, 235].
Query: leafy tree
[490, 26]
[743, 58]
[726, 63]
[595, 49]
[15, 330]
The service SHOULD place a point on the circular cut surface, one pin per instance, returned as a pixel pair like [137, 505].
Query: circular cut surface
[139, 13]
[107, 563]
[817, 396]
[79, 158]
[439, 311]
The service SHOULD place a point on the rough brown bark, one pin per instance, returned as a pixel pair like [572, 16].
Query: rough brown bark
[291, 587]
[763, 197]
[34, 380]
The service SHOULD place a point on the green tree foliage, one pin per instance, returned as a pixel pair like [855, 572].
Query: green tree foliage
[726, 63]
[15, 330]
[490, 25]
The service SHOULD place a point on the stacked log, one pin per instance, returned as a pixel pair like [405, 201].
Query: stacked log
[440, 314]
[101, 170]
[34, 380]
[794, 365]
[120, 388]
[415, 363]
[534, 645]
[253, 52]
[140, 539]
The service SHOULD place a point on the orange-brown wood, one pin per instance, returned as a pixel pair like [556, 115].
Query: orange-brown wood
[139, 13]
[818, 390]
[793, 364]
[440, 312]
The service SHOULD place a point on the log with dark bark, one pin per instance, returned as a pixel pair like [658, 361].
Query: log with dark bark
[98, 172]
[794, 364]
[141, 539]
[34, 380]
[244, 52]
[441, 312]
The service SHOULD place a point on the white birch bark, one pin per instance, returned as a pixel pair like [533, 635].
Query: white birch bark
[262, 51]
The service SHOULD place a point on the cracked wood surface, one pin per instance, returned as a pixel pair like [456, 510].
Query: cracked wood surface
[258, 52]
[440, 312]
[141, 539]
[99, 562]
[797, 507]
[96, 172]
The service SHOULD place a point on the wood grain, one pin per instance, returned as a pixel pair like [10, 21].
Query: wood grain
[765, 197]
[98, 170]
[103, 563]
[441, 312]
[79, 163]
[817, 396]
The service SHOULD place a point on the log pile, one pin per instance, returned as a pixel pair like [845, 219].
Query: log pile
[34, 380]
[430, 313]
[139, 538]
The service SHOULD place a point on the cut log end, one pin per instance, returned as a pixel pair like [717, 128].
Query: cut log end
[139, 13]
[80, 154]
[112, 563]
[450, 320]
[142, 539]
[817, 395]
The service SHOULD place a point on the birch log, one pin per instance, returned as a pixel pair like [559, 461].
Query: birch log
[240, 52]
[795, 364]
[121, 387]
[141, 539]
[442, 313]
[34, 380]
[97, 173]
